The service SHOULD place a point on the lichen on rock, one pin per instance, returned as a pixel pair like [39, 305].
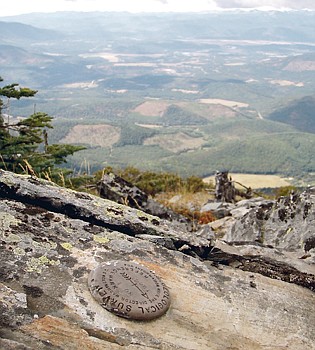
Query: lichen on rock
[221, 294]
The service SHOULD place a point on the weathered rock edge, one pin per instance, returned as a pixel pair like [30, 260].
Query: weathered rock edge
[46, 258]
[135, 223]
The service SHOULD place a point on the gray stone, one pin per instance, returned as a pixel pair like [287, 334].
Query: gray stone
[287, 223]
[163, 241]
[224, 296]
[211, 206]
[219, 209]
[115, 188]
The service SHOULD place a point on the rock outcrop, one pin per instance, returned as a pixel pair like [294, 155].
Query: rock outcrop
[223, 295]
[287, 223]
[116, 189]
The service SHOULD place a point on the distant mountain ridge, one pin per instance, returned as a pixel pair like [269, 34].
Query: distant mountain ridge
[257, 25]
[13, 55]
[15, 32]
[219, 84]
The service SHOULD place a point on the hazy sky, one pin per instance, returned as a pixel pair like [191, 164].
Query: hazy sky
[13, 7]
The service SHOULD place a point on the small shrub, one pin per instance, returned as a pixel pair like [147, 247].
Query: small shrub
[206, 217]
[284, 191]
[194, 184]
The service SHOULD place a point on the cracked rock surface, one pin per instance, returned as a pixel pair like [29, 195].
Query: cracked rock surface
[223, 296]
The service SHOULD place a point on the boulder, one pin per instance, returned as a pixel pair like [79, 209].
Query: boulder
[288, 223]
[223, 296]
[218, 209]
[116, 189]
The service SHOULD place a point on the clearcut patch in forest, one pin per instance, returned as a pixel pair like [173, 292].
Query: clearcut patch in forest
[94, 135]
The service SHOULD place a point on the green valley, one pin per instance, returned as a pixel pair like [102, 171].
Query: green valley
[185, 93]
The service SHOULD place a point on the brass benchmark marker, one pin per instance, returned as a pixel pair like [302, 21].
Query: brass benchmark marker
[129, 290]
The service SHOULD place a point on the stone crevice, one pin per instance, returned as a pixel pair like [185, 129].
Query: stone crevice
[44, 195]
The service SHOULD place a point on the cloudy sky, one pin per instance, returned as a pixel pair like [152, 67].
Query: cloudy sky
[13, 7]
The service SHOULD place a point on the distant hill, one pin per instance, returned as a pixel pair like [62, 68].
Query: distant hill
[188, 92]
[301, 63]
[13, 32]
[11, 56]
[175, 115]
[251, 25]
[299, 113]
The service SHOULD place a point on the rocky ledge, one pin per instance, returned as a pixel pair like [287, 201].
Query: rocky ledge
[253, 289]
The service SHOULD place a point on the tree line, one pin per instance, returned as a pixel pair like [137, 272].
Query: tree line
[24, 144]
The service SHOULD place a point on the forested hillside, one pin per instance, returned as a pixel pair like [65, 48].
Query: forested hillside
[299, 113]
[188, 93]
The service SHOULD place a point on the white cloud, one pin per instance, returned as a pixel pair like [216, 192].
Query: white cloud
[13, 7]
[22, 6]
[277, 4]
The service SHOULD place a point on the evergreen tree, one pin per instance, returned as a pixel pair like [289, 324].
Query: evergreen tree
[24, 145]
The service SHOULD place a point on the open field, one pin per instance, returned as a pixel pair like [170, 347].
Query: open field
[256, 181]
[227, 103]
